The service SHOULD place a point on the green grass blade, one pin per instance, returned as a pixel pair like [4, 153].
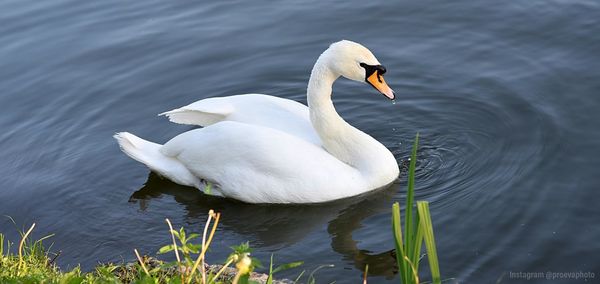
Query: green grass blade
[299, 276]
[270, 278]
[409, 226]
[288, 266]
[397, 230]
[414, 258]
[427, 229]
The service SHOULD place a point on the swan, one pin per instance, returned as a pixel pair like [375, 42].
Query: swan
[264, 149]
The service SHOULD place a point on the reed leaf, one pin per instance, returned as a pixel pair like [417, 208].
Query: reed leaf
[416, 253]
[398, 243]
[427, 230]
[409, 226]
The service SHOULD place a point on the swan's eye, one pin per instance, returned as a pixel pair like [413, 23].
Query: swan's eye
[370, 69]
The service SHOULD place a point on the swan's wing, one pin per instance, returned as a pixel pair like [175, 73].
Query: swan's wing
[263, 110]
[203, 112]
[259, 164]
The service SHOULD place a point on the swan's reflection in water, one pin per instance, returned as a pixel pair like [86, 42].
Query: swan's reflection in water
[281, 225]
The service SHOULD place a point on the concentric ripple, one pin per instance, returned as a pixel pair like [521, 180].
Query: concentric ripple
[468, 142]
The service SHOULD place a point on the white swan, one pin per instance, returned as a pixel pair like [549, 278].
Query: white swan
[264, 149]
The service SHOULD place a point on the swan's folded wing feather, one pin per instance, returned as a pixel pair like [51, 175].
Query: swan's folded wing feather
[204, 112]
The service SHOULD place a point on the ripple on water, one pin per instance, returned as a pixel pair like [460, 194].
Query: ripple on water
[469, 142]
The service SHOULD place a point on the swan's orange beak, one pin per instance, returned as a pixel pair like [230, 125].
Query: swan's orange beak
[376, 80]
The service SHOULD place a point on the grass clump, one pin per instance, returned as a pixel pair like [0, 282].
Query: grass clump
[31, 263]
[417, 230]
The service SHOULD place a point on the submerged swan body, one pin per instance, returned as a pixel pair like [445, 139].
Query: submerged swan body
[264, 149]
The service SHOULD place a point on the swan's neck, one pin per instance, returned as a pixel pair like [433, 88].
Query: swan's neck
[328, 124]
[339, 138]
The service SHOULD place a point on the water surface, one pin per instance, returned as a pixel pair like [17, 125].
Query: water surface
[505, 96]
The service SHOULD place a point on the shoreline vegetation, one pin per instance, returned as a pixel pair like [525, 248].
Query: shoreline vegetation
[34, 263]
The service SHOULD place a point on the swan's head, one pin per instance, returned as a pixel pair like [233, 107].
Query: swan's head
[355, 62]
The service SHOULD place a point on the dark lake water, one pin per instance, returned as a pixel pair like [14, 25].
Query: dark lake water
[506, 96]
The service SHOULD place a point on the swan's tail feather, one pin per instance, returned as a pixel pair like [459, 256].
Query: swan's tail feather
[148, 153]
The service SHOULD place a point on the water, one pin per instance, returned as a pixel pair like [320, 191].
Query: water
[505, 96]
